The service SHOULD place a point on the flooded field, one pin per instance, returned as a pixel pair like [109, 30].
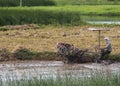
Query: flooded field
[42, 69]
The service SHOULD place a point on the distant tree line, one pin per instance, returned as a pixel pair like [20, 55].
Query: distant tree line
[26, 3]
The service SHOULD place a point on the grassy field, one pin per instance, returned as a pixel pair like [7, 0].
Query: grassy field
[94, 80]
[82, 9]
[56, 2]
[63, 15]
[45, 39]
[86, 2]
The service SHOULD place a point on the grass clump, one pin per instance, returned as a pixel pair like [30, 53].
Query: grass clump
[26, 54]
[115, 57]
[22, 53]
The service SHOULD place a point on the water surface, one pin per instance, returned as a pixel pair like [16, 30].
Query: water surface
[42, 69]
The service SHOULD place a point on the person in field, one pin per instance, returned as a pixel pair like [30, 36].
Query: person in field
[107, 50]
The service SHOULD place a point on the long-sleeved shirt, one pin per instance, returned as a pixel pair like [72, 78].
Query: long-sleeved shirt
[109, 47]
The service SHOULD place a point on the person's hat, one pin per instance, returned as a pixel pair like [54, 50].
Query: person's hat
[107, 38]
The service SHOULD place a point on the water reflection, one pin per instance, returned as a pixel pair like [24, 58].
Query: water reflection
[102, 19]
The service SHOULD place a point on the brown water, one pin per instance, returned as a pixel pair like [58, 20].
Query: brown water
[28, 69]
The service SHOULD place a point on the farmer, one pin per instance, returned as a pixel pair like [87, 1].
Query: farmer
[107, 50]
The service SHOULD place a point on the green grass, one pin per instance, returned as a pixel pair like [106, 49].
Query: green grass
[98, 79]
[57, 2]
[13, 3]
[55, 15]
[37, 15]
[86, 2]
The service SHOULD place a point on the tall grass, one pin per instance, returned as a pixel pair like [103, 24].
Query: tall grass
[95, 80]
[86, 2]
[54, 15]
[37, 16]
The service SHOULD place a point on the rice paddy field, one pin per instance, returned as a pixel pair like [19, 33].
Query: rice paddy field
[44, 39]
[86, 2]
[55, 15]
[36, 26]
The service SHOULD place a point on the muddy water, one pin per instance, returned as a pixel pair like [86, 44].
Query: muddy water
[42, 69]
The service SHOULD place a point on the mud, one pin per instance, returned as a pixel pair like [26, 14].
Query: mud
[42, 69]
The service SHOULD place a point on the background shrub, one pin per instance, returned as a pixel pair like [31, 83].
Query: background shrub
[8, 3]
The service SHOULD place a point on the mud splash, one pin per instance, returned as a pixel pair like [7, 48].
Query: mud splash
[42, 69]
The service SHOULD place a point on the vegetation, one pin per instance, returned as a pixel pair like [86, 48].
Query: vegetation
[8, 3]
[68, 80]
[87, 2]
[38, 15]
[56, 15]
[40, 44]
[12, 3]
[27, 54]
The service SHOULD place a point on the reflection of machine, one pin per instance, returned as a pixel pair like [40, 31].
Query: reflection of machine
[70, 53]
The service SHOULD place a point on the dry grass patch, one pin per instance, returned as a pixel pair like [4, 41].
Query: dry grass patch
[42, 40]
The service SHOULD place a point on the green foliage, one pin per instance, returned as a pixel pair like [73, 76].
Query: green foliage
[12, 3]
[37, 16]
[86, 2]
[56, 2]
[24, 54]
[115, 57]
[9, 3]
[38, 2]
[55, 15]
